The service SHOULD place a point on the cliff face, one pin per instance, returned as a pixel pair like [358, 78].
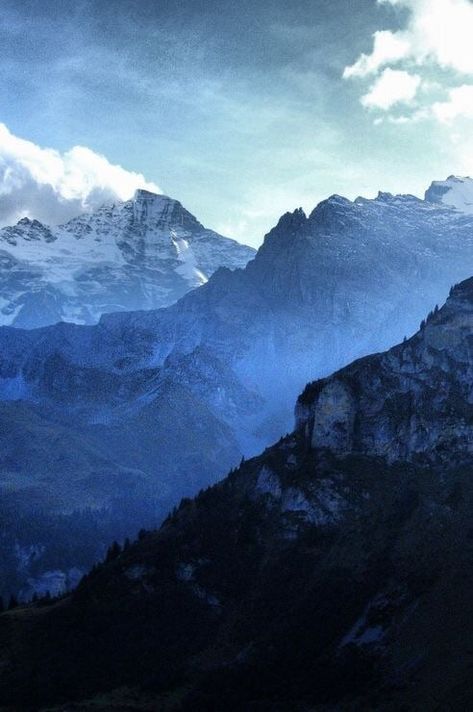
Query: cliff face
[414, 402]
[177, 395]
[331, 572]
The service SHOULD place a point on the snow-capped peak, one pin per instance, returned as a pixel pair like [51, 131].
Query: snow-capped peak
[154, 210]
[143, 253]
[456, 191]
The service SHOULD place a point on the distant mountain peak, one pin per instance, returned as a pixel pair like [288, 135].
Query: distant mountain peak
[156, 200]
[455, 191]
[382, 195]
[279, 239]
[142, 193]
[144, 253]
[292, 219]
[161, 211]
[27, 221]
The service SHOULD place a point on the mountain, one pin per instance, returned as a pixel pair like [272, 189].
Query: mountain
[350, 279]
[144, 253]
[174, 397]
[332, 572]
[455, 191]
[413, 403]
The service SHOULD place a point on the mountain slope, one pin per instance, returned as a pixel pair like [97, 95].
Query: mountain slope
[317, 295]
[426, 411]
[144, 253]
[125, 473]
[331, 572]
[179, 394]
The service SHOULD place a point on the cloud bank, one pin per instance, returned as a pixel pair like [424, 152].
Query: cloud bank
[436, 38]
[392, 87]
[52, 187]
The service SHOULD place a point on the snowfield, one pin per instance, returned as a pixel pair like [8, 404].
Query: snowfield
[144, 253]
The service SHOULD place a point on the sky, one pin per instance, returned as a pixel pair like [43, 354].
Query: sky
[240, 110]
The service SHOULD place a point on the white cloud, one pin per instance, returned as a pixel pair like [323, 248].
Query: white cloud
[437, 35]
[392, 87]
[52, 186]
[437, 31]
[458, 104]
[387, 48]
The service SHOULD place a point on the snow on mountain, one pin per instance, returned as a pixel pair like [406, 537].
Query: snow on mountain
[215, 375]
[351, 278]
[455, 191]
[144, 253]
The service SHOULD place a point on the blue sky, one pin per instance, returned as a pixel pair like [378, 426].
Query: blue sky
[241, 110]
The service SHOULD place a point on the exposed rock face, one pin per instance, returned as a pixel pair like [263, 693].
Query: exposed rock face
[144, 253]
[316, 295]
[334, 418]
[174, 397]
[414, 402]
[331, 572]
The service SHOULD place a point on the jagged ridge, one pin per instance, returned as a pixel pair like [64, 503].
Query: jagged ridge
[414, 402]
[222, 367]
[144, 253]
[314, 576]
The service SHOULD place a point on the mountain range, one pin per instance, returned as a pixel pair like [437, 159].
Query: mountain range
[131, 414]
[143, 253]
[331, 572]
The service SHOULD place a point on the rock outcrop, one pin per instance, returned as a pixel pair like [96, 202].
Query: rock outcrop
[332, 572]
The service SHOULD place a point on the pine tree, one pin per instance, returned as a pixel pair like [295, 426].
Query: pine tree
[13, 602]
[113, 552]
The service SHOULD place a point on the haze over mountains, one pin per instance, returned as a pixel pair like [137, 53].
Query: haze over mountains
[236, 477]
[147, 407]
[331, 572]
[144, 253]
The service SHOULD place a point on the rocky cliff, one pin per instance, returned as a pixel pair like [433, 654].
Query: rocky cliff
[414, 402]
[178, 395]
[333, 572]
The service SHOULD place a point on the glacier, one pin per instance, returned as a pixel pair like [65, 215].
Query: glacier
[143, 253]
